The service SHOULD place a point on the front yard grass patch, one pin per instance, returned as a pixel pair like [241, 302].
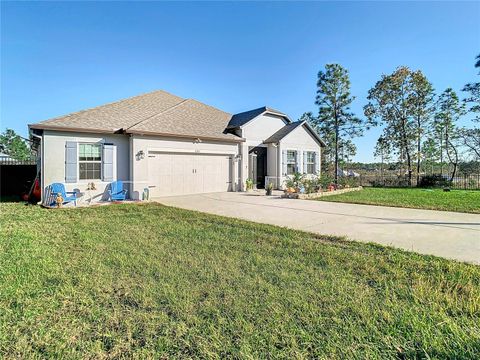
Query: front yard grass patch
[467, 201]
[149, 281]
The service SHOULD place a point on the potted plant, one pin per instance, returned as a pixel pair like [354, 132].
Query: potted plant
[297, 179]
[249, 184]
[289, 186]
[269, 189]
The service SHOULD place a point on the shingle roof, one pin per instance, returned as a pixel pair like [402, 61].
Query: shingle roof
[158, 112]
[244, 117]
[287, 129]
[284, 131]
[188, 118]
[117, 115]
[161, 113]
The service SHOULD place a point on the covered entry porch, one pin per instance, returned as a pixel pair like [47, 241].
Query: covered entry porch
[263, 165]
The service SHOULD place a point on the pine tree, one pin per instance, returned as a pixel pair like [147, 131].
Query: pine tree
[449, 111]
[421, 102]
[335, 120]
[390, 105]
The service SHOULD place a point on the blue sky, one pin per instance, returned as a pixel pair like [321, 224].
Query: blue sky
[61, 57]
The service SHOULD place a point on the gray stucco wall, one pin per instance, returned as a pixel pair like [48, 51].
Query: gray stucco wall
[53, 160]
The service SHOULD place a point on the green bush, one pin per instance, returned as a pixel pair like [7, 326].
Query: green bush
[325, 180]
[348, 181]
[436, 180]
[294, 181]
[310, 184]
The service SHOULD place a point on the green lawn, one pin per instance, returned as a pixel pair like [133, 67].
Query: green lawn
[148, 281]
[456, 200]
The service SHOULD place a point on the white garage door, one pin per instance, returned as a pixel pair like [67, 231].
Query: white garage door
[179, 174]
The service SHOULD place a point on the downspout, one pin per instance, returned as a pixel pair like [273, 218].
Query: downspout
[276, 166]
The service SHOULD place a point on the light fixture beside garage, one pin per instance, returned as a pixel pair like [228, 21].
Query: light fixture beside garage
[140, 155]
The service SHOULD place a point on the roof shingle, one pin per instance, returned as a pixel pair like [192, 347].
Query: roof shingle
[117, 115]
[244, 117]
[284, 131]
[158, 112]
[189, 118]
[287, 129]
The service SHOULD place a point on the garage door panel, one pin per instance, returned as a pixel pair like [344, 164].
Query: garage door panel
[182, 174]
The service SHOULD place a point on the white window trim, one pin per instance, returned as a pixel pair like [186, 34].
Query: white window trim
[290, 163]
[313, 163]
[90, 161]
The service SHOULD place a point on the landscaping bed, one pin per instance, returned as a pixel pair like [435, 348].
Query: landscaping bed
[149, 281]
[296, 195]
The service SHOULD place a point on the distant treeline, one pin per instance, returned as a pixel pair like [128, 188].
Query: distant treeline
[464, 167]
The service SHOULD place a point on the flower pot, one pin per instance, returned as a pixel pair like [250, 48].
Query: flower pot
[268, 192]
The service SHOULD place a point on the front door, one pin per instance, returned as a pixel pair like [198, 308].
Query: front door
[258, 165]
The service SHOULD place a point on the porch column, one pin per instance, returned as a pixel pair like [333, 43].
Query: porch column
[279, 166]
[243, 150]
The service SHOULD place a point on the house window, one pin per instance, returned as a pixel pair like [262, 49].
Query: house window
[310, 162]
[291, 162]
[90, 161]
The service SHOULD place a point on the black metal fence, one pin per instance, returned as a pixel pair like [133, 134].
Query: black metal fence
[16, 177]
[461, 181]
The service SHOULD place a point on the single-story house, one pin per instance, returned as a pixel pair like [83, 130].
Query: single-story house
[159, 144]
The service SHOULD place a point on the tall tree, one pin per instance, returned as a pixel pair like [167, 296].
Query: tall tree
[382, 151]
[327, 159]
[431, 153]
[13, 145]
[470, 137]
[449, 110]
[421, 101]
[308, 117]
[474, 90]
[390, 105]
[335, 120]
[348, 150]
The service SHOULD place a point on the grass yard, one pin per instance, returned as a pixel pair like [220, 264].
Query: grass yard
[467, 201]
[149, 281]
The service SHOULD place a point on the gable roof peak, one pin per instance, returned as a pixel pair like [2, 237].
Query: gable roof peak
[242, 118]
[288, 128]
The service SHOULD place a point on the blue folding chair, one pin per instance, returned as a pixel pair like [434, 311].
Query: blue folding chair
[116, 191]
[59, 188]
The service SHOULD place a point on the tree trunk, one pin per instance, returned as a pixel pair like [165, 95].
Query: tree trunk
[407, 151]
[409, 164]
[418, 160]
[419, 148]
[381, 169]
[454, 163]
[449, 144]
[441, 153]
[336, 149]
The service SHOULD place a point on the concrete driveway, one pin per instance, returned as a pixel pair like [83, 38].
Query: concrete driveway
[447, 234]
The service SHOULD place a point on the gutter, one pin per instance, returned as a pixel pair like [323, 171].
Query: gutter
[125, 132]
[192, 137]
[72, 129]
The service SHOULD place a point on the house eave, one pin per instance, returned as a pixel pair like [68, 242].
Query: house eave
[75, 129]
[268, 112]
[181, 136]
[134, 132]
